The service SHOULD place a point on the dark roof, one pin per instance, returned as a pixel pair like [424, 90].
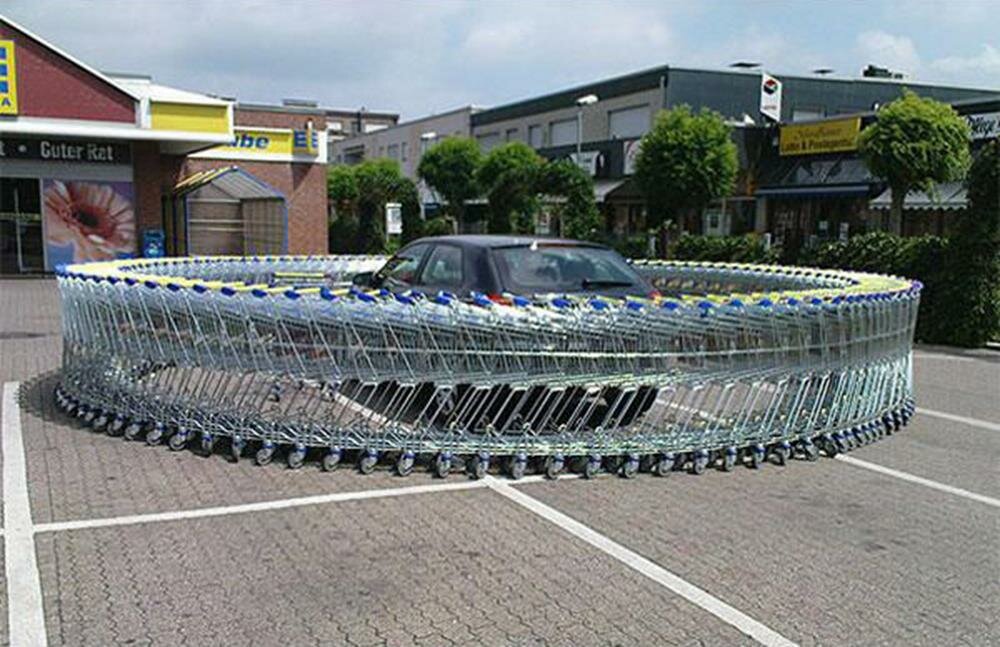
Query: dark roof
[501, 240]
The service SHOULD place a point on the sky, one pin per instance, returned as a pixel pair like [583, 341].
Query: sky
[418, 58]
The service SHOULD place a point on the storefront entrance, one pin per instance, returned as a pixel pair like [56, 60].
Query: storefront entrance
[22, 250]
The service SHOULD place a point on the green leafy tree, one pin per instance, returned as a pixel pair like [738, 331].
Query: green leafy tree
[342, 193]
[685, 161]
[408, 197]
[578, 215]
[914, 143]
[379, 182]
[509, 176]
[450, 167]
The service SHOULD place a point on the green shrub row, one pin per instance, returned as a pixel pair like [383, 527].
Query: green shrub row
[735, 249]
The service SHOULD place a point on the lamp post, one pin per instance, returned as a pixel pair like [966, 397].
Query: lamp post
[586, 100]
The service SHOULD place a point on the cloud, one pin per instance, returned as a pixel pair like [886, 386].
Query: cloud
[987, 61]
[898, 53]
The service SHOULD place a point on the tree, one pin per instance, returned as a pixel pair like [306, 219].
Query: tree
[578, 214]
[509, 176]
[684, 163]
[450, 168]
[973, 260]
[342, 192]
[379, 181]
[408, 197]
[914, 143]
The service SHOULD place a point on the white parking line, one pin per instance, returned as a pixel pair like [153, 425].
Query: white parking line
[974, 422]
[280, 504]
[25, 615]
[912, 478]
[759, 632]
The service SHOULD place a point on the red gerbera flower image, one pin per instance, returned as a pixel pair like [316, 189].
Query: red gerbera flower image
[93, 217]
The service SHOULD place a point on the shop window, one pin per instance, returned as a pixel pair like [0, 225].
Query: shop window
[628, 123]
[536, 136]
[562, 133]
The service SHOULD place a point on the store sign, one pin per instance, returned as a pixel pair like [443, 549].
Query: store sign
[270, 145]
[589, 161]
[770, 97]
[65, 150]
[825, 137]
[393, 218]
[8, 79]
[632, 148]
[984, 126]
[305, 141]
[258, 142]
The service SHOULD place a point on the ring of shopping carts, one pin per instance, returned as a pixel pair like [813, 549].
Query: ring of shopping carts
[279, 356]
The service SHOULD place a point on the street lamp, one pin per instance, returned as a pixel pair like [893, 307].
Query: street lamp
[586, 100]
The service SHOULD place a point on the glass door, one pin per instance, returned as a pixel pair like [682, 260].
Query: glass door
[22, 247]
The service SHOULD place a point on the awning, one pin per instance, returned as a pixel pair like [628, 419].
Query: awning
[811, 191]
[603, 187]
[949, 195]
[233, 181]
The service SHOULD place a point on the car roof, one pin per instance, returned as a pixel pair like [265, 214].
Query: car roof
[499, 240]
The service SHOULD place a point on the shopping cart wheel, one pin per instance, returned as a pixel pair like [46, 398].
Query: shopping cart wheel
[404, 464]
[780, 452]
[132, 431]
[155, 435]
[236, 448]
[699, 461]
[479, 465]
[442, 465]
[178, 440]
[755, 456]
[116, 426]
[664, 465]
[331, 460]
[728, 459]
[368, 461]
[89, 416]
[809, 450]
[100, 422]
[265, 453]
[554, 466]
[207, 443]
[630, 467]
[592, 467]
[516, 466]
[296, 457]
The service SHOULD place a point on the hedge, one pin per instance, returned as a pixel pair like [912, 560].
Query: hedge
[742, 249]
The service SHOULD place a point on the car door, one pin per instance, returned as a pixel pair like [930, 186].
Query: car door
[444, 270]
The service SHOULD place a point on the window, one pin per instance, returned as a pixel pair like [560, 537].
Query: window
[394, 151]
[535, 138]
[488, 141]
[510, 135]
[806, 114]
[562, 133]
[563, 268]
[444, 267]
[403, 149]
[401, 269]
[628, 123]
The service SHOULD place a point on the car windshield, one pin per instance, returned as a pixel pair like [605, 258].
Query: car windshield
[564, 268]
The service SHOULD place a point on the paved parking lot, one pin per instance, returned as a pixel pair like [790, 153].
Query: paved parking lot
[899, 544]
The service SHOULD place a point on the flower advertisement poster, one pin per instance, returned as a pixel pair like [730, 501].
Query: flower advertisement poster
[87, 221]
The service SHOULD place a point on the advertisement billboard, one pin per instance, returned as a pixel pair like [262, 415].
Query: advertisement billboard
[87, 221]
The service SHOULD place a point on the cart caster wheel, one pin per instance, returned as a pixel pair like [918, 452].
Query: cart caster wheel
[593, 466]
[780, 453]
[116, 426]
[756, 457]
[331, 460]
[479, 465]
[664, 465]
[842, 443]
[699, 461]
[178, 441]
[132, 431]
[516, 466]
[442, 465]
[809, 450]
[554, 466]
[89, 416]
[207, 444]
[630, 467]
[368, 461]
[297, 457]
[155, 435]
[265, 454]
[100, 422]
[728, 459]
[236, 449]
[404, 464]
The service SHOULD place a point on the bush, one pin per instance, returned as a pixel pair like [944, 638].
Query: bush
[440, 226]
[343, 235]
[635, 246]
[733, 249]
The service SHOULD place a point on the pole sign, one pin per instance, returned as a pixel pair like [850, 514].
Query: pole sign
[770, 97]
[8, 79]
[393, 218]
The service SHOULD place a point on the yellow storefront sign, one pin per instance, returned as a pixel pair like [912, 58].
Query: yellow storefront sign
[8, 79]
[189, 117]
[825, 137]
[258, 142]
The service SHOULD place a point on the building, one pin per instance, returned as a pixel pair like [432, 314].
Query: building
[341, 124]
[406, 142]
[96, 166]
[605, 120]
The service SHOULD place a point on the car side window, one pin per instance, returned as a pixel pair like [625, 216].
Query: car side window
[444, 267]
[401, 270]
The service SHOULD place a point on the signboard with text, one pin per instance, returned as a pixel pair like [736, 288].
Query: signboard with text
[8, 78]
[984, 126]
[64, 150]
[770, 97]
[831, 136]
